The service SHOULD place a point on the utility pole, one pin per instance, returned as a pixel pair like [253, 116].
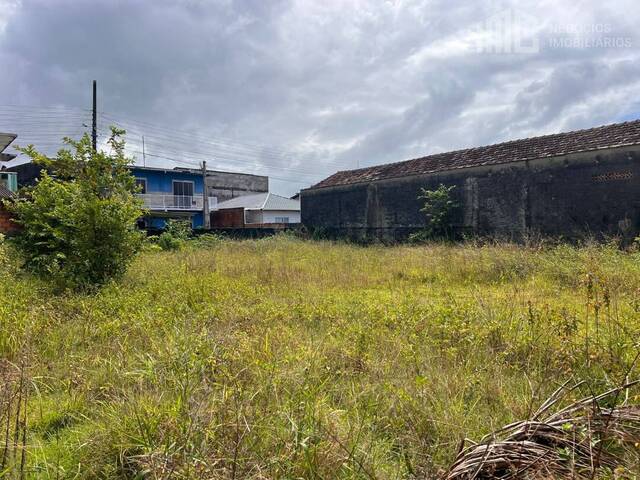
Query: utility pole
[205, 198]
[94, 122]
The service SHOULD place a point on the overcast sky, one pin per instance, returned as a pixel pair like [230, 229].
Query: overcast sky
[299, 89]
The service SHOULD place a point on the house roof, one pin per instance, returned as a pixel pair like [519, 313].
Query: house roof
[261, 201]
[608, 136]
[5, 193]
[5, 141]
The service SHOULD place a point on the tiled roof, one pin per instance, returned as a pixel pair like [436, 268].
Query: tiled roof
[5, 193]
[608, 136]
[261, 201]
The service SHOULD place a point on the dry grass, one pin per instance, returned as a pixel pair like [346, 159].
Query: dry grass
[280, 358]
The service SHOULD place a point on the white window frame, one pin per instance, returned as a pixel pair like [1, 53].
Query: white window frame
[173, 182]
[282, 220]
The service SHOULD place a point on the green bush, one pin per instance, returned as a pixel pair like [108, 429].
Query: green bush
[150, 244]
[168, 242]
[180, 229]
[438, 208]
[175, 235]
[79, 224]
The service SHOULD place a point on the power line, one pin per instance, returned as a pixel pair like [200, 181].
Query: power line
[235, 148]
[230, 155]
[168, 130]
[196, 164]
[54, 113]
[42, 123]
[251, 162]
[220, 159]
[235, 157]
[178, 138]
[167, 133]
[42, 108]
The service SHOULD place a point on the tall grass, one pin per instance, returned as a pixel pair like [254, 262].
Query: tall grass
[279, 358]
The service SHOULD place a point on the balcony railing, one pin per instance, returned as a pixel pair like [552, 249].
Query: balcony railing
[161, 201]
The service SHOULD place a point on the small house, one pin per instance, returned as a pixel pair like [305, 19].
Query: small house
[256, 211]
[170, 194]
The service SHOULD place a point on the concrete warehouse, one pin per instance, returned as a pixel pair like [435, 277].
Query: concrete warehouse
[571, 184]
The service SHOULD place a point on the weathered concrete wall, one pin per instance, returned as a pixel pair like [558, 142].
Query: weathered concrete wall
[227, 185]
[593, 192]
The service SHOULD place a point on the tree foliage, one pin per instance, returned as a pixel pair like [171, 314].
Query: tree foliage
[438, 208]
[79, 221]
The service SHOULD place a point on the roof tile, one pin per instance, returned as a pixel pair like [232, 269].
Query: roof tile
[608, 136]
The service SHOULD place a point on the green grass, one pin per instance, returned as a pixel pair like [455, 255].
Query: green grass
[280, 358]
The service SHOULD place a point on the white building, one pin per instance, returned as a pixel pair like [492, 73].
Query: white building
[256, 210]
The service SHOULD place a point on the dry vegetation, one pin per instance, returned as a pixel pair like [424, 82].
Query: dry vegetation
[280, 358]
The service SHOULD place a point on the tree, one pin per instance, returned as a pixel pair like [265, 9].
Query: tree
[438, 208]
[79, 221]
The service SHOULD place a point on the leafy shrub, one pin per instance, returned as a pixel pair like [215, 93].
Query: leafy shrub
[79, 224]
[167, 242]
[175, 235]
[438, 208]
[150, 244]
[179, 229]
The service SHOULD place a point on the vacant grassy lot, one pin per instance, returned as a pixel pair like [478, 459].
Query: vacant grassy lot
[280, 358]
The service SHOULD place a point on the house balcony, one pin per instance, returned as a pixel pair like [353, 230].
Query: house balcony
[164, 202]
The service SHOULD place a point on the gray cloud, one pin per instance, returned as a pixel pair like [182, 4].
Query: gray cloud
[300, 88]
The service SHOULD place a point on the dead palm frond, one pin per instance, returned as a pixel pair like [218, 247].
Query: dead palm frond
[583, 441]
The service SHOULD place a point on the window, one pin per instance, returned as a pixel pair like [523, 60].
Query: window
[183, 193]
[183, 188]
[282, 219]
[141, 183]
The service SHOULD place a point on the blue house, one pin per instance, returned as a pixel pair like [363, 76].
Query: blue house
[170, 194]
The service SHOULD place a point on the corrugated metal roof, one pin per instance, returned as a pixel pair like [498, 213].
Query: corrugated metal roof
[245, 201]
[276, 202]
[608, 136]
[261, 201]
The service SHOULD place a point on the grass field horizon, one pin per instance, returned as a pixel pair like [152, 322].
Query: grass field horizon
[284, 358]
